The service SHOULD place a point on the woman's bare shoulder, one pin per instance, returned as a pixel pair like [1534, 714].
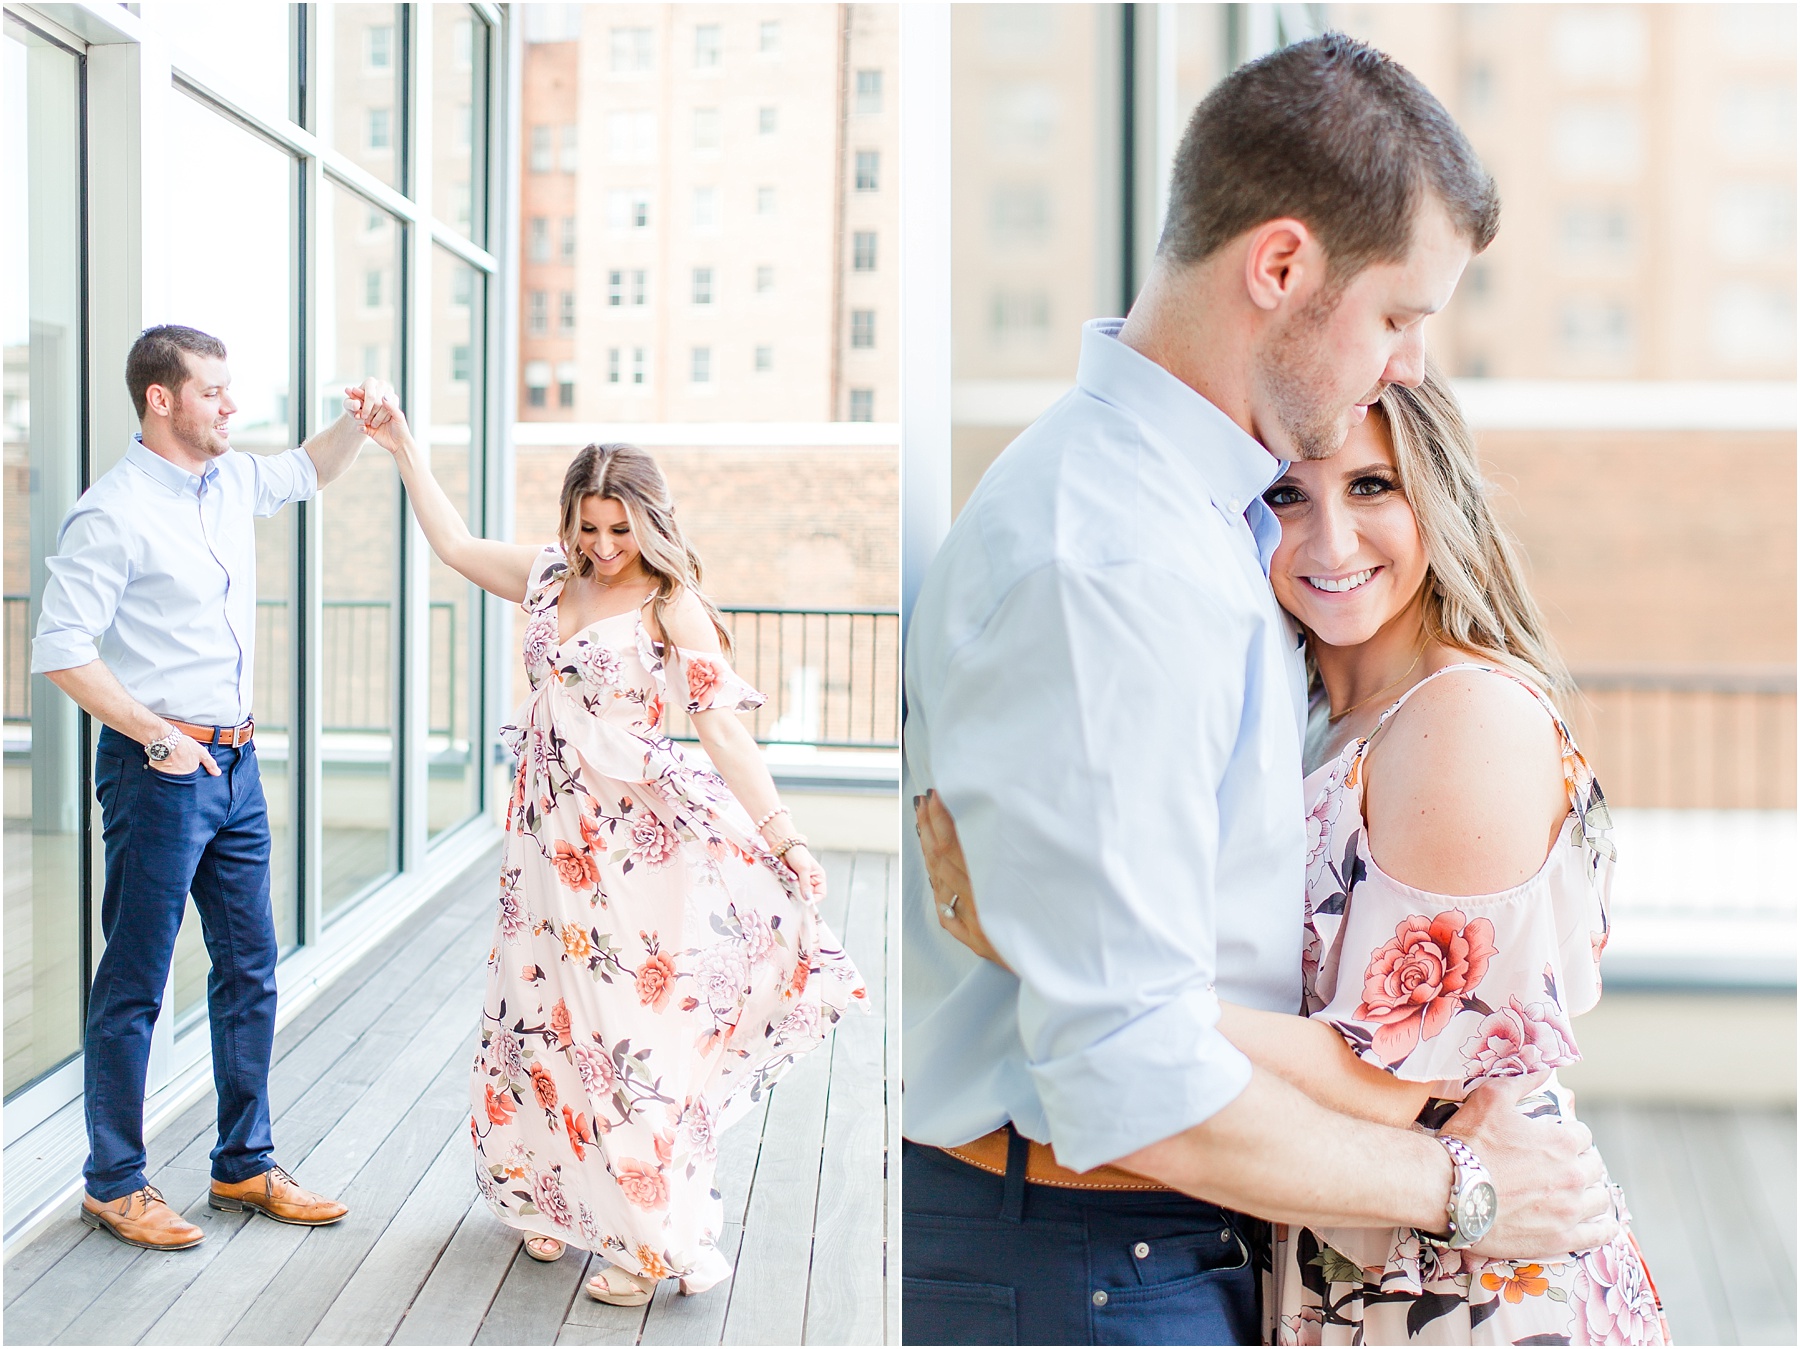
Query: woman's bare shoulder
[1465, 791]
[688, 623]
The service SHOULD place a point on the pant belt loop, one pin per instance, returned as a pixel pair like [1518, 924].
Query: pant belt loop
[1018, 1153]
[214, 742]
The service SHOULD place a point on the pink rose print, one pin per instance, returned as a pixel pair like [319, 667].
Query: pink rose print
[1617, 1304]
[697, 1131]
[703, 678]
[596, 1069]
[547, 1193]
[642, 1184]
[652, 842]
[540, 640]
[600, 665]
[1415, 984]
[1307, 1326]
[1517, 1040]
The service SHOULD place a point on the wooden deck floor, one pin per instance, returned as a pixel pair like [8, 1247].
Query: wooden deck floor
[1712, 1202]
[369, 1099]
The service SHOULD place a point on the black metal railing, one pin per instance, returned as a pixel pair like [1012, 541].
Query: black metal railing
[831, 676]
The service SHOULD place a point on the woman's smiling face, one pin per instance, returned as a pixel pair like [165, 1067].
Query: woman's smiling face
[1350, 558]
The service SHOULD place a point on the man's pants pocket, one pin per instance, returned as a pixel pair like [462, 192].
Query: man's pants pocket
[938, 1312]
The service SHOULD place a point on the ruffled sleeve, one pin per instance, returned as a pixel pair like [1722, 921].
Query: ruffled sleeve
[710, 684]
[1435, 988]
[548, 572]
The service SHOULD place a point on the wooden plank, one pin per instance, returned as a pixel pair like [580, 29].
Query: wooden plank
[213, 1304]
[1739, 1230]
[674, 1319]
[590, 1321]
[1768, 1139]
[451, 1306]
[131, 1303]
[534, 1299]
[289, 1309]
[41, 1256]
[844, 1302]
[375, 1300]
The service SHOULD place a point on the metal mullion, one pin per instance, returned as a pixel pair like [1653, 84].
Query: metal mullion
[412, 710]
[448, 239]
[304, 734]
[347, 174]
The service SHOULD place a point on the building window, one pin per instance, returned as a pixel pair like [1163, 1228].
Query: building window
[1753, 222]
[765, 201]
[639, 367]
[765, 360]
[1020, 213]
[868, 170]
[627, 286]
[700, 365]
[378, 51]
[862, 328]
[542, 153]
[381, 128]
[703, 285]
[566, 313]
[537, 383]
[1597, 328]
[612, 365]
[868, 91]
[537, 313]
[465, 44]
[631, 50]
[765, 278]
[460, 363]
[372, 289]
[862, 405]
[765, 121]
[1595, 232]
[1598, 141]
[628, 209]
[1753, 324]
[568, 239]
[565, 384]
[768, 37]
[706, 128]
[706, 215]
[537, 239]
[1020, 313]
[462, 287]
[570, 160]
[631, 136]
[862, 252]
[707, 45]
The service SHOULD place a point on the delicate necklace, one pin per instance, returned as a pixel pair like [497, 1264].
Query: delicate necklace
[1334, 718]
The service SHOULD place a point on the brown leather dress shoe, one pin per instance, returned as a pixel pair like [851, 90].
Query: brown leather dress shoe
[142, 1218]
[278, 1195]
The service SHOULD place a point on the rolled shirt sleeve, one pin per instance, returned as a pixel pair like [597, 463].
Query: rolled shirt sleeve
[282, 479]
[88, 574]
[1096, 871]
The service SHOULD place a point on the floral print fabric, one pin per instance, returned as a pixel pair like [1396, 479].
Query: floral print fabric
[1454, 991]
[654, 968]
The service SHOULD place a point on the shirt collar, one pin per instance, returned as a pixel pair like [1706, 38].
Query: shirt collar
[171, 476]
[1235, 466]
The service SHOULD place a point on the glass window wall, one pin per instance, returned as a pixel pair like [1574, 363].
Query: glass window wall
[41, 326]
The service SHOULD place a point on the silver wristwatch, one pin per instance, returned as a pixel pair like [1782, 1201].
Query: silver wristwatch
[1473, 1203]
[158, 750]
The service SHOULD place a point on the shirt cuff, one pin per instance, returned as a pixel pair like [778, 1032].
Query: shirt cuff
[308, 484]
[62, 651]
[1153, 1078]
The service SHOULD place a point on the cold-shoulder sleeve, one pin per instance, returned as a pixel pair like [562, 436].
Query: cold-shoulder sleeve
[1435, 988]
[701, 681]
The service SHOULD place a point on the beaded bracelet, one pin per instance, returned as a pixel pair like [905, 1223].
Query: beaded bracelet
[763, 822]
[793, 841]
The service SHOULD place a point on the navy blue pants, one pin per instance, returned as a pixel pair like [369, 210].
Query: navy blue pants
[167, 836]
[992, 1260]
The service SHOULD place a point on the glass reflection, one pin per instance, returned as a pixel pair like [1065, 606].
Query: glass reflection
[460, 46]
[232, 281]
[361, 306]
[251, 44]
[363, 100]
[454, 731]
[40, 326]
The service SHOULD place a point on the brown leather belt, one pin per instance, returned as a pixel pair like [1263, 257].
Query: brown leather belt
[230, 737]
[988, 1153]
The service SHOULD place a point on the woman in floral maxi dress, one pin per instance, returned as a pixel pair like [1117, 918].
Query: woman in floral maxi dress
[658, 959]
[1416, 994]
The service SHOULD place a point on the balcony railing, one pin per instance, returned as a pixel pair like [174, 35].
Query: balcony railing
[831, 676]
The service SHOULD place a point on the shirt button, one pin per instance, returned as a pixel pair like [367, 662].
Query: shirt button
[1100, 1299]
[1141, 1250]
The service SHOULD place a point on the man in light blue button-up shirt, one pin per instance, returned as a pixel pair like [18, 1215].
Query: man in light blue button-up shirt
[1102, 690]
[149, 623]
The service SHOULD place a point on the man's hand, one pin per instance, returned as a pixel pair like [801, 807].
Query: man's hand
[376, 407]
[1553, 1197]
[187, 755]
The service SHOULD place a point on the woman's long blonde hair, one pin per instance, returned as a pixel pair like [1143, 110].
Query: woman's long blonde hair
[630, 476]
[1474, 597]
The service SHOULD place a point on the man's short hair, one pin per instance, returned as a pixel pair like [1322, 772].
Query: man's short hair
[1333, 133]
[156, 358]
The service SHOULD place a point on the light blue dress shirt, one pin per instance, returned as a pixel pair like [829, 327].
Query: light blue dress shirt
[155, 574]
[1101, 687]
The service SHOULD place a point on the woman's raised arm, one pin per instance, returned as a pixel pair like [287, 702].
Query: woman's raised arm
[501, 569]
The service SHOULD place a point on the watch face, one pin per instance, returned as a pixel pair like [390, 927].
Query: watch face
[1475, 1210]
[157, 751]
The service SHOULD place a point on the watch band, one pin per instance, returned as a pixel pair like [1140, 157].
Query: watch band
[1471, 1186]
[167, 742]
